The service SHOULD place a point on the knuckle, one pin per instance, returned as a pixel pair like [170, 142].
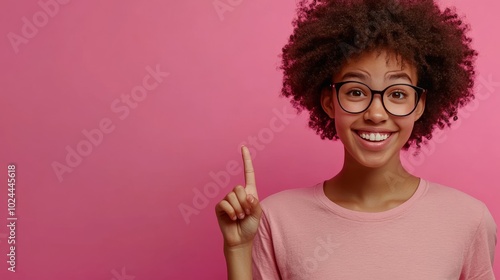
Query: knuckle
[230, 211]
[218, 205]
[230, 195]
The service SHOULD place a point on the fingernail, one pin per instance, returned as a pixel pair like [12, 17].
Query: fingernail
[233, 218]
[241, 216]
[250, 198]
[247, 211]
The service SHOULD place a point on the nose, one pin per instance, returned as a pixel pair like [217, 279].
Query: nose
[376, 112]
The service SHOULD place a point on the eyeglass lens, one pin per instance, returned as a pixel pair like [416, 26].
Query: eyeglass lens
[398, 99]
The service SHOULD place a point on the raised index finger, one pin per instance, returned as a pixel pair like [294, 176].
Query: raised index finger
[250, 187]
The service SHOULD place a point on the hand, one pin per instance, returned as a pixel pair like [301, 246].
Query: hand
[239, 212]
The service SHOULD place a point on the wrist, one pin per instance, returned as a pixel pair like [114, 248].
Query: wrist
[238, 248]
[239, 261]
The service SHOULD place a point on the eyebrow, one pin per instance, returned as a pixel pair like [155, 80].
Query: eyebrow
[361, 76]
[355, 75]
[398, 76]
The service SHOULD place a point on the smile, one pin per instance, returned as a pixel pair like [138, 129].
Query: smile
[374, 136]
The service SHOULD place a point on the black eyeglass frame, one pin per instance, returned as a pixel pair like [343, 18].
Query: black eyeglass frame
[420, 91]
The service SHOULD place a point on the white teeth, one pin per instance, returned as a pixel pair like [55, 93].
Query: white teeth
[376, 137]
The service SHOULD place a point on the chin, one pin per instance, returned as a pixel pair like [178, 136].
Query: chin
[374, 164]
[374, 160]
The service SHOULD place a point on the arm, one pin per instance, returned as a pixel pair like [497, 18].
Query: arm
[239, 234]
[239, 262]
[238, 215]
[264, 263]
[478, 261]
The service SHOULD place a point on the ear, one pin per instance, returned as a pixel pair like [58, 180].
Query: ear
[419, 111]
[327, 101]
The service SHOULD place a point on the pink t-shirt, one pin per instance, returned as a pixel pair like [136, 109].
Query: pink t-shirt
[439, 233]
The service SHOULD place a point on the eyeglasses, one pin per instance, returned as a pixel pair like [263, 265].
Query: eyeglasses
[398, 99]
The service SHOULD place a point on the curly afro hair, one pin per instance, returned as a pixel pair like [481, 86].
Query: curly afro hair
[328, 32]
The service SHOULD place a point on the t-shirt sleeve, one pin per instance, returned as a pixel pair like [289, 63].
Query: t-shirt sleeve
[479, 256]
[263, 257]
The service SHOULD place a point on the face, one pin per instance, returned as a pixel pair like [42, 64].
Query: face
[388, 133]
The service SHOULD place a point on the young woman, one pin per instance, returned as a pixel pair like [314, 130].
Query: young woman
[380, 76]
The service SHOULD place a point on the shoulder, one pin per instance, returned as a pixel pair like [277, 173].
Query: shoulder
[456, 205]
[449, 196]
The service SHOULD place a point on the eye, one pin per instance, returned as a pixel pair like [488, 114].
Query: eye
[398, 94]
[355, 93]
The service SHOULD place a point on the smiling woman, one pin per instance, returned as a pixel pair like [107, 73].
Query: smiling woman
[407, 68]
[362, 119]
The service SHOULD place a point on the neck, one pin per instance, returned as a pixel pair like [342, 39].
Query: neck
[362, 183]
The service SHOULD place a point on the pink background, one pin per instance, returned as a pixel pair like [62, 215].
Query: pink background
[116, 214]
